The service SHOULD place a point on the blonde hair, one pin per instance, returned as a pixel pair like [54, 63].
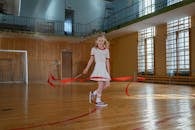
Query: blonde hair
[106, 43]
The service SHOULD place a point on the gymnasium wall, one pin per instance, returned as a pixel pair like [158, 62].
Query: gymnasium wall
[160, 50]
[44, 53]
[124, 55]
[124, 52]
[193, 46]
[43, 9]
[87, 11]
[11, 67]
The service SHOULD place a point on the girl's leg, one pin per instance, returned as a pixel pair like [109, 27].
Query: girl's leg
[106, 84]
[95, 96]
[99, 90]
[101, 86]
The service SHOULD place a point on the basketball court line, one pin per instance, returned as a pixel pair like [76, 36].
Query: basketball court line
[55, 122]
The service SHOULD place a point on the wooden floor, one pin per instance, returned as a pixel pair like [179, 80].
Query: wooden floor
[139, 106]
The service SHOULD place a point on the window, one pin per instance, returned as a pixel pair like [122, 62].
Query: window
[171, 2]
[68, 23]
[68, 27]
[177, 47]
[146, 7]
[146, 51]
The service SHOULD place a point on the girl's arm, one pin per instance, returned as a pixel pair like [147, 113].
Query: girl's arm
[88, 64]
[108, 65]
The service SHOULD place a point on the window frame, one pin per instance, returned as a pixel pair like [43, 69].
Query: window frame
[146, 7]
[143, 66]
[178, 64]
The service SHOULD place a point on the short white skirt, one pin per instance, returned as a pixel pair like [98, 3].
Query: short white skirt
[100, 73]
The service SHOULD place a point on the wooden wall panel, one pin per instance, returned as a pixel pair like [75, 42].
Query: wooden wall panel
[11, 66]
[124, 55]
[192, 39]
[81, 56]
[44, 52]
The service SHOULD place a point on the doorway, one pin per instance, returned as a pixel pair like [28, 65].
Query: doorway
[66, 64]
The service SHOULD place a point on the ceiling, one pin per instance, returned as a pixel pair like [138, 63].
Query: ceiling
[187, 10]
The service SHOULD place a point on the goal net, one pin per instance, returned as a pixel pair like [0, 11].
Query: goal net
[13, 66]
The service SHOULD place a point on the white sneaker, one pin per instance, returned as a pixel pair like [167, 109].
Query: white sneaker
[101, 104]
[91, 97]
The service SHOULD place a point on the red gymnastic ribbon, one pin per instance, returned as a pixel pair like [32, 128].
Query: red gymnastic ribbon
[51, 78]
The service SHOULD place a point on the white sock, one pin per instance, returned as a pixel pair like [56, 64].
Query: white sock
[98, 99]
[95, 92]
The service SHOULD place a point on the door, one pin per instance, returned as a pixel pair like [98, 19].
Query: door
[66, 64]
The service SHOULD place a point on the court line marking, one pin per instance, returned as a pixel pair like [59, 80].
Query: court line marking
[56, 122]
[173, 116]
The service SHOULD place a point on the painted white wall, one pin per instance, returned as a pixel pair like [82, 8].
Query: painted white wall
[44, 9]
[86, 10]
[119, 4]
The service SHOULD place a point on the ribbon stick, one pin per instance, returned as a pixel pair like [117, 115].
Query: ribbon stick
[67, 80]
[79, 75]
[77, 78]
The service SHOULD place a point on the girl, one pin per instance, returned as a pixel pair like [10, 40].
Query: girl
[101, 73]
